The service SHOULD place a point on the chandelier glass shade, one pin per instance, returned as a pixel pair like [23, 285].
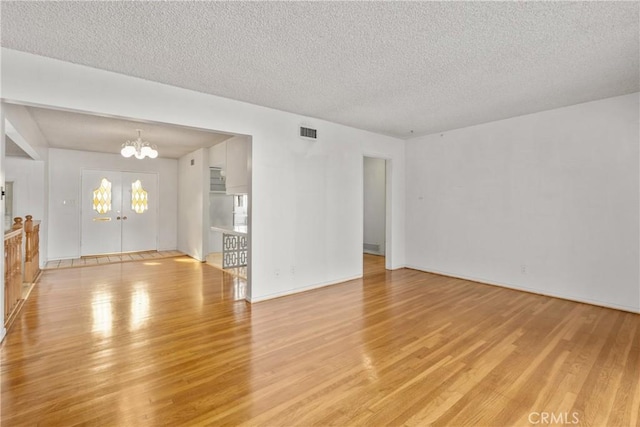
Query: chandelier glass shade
[139, 148]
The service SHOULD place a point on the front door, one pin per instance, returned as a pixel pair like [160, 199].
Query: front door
[119, 212]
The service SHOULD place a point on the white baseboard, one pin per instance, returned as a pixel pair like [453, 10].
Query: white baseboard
[61, 258]
[366, 251]
[560, 295]
[298, 290]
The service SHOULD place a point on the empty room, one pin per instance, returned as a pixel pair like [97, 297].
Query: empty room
[320, 213]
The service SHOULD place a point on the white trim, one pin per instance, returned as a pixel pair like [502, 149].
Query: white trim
[532, 290]
[3, 333]
[298, 290]
[368, 252]
[63, 258]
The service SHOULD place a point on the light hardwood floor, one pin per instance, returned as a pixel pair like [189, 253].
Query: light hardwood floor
[173, 343]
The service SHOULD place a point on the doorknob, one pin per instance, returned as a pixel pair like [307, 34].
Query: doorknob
[117, 217]
[124, 217]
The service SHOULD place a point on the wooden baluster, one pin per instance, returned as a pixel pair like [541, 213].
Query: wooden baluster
[17, 223]
[14, 254]
[13, 271]
[17, 279]
[35, 258]
[32, 252]
[7, 282]
[28, 232]
[17, 264]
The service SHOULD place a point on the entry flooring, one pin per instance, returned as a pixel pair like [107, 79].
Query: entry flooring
[111, 259]
[172, 342]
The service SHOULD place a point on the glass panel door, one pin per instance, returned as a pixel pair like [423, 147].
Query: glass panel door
[119, 212]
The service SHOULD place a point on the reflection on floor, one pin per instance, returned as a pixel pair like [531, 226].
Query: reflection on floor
[373, 264]
[214, 259]
[111, 259]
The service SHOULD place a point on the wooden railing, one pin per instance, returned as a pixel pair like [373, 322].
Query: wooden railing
[21, 263]
[31, 249]
[12, 272]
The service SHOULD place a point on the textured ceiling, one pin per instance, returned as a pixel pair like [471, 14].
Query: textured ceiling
[389, 67]
[87, 132]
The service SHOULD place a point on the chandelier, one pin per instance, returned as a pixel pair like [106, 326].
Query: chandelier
[139, 148]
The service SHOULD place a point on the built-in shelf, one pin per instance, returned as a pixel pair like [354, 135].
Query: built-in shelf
[217, 182]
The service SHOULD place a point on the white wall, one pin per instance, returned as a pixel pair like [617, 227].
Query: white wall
[193, 195]
[306, 196]
[65, 172]
[29, 191]
[28, 186]
[374, 203]
[237, 164]
[546, 202]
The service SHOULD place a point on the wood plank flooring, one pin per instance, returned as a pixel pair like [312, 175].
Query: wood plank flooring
[173, 343]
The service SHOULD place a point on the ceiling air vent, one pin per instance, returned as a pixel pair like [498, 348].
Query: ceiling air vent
[308, 133]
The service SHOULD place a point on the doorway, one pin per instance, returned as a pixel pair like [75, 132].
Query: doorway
[119, 212]
[375, 206]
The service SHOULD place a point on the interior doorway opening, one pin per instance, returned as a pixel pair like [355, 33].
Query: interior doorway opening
[375, 240]
[229, 206]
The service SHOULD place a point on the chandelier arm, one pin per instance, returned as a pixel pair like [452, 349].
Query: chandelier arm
[139, 148]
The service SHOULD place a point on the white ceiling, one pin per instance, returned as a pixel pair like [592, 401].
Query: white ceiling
[389, 67]
[76, 131]
[12, 149]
